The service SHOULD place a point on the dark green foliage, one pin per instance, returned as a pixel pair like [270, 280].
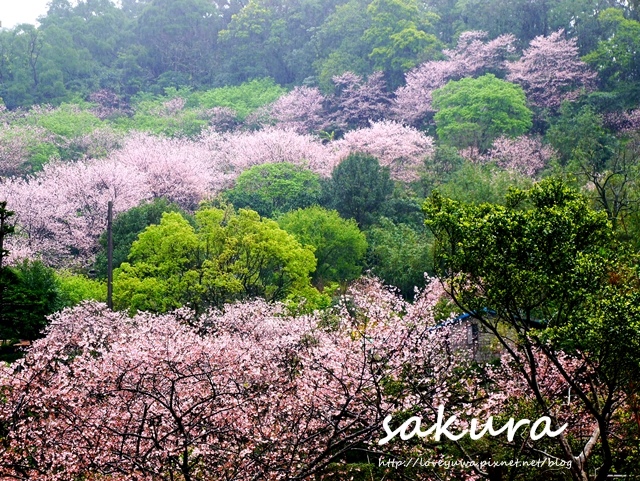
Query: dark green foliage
[439, 169]
[270, 189]
[578, 132]
[126, 228]
[617, 56]
[358, 188]
[338, 244]
[404, 207]
[399, 254]
[29, 295]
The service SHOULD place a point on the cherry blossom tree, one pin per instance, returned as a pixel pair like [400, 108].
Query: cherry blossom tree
[180, 170]
[16, 147]
[247, 393]
[475, 55]
[401, 148]
[301, 110]
[623, 122]
[61, 211]
[550, 71]
[357, 102]
[472, 56]
[525, 155]
[108, 104]
[236, 152]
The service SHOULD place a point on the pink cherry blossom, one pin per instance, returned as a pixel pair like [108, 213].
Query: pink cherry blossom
[401, 148]
[550, 71]
[301, 110]
[472, 56]
[247, 393]
[525, 155]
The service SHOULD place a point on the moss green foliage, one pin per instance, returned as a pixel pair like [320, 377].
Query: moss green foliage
[155, 117]
[472, 112]
[68, 120]
[244, 98]
[547, 256]
[271, 189]
[228, 256]
[481, 183]
[338, 244]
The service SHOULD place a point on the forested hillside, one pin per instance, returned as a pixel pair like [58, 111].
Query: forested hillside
[326, 214]
[80, 48]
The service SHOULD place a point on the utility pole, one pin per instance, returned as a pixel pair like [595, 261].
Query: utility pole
[110, 255]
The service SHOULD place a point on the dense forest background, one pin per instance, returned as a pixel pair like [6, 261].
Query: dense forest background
[147, 46]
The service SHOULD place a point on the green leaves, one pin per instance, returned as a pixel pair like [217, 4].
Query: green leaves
[474, 111]
[400, 36]
[534, 258]
[338, 244]
[228, 256]
[275, 188]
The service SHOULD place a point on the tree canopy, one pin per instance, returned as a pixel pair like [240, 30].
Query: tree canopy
[473, 111]
[227, 256]
[547, 266]
[338, 244]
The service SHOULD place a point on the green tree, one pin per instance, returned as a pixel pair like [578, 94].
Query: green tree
[126, 228]
[270, 189]
[75, 288]
[340, 44]
[477, 184]
[269, 38]
[30, 296]
[243, 99]
[617, 57]
[358, 188]
[399, 255]
[546, 264]
[472, 112]
[180, 37]
[338, 244]
[228, 256]
[400, 37]
[610, 166]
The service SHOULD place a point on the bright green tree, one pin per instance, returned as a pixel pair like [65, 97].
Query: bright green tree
[126, 228]
[270, 189]
[472, 112]
[337, 243]
[228, 256]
